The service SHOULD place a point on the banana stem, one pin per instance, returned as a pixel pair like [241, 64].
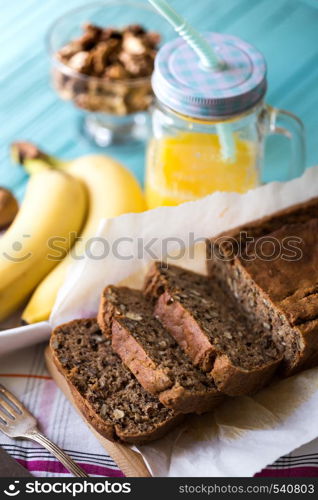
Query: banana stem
[33, 158]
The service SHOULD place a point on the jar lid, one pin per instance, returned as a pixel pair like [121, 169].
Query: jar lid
[182, 83]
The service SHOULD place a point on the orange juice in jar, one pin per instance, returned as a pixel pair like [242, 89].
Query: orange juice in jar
[190, 166]
[209, 126]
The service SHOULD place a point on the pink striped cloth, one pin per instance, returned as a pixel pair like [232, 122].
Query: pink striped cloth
[25, 374]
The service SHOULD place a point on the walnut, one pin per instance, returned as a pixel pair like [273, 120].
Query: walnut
[110, 33]
[137, 65]
[133, 44]
[80, 62]
[152, 39]
[90, 36]
[103, 410]
[116, 72]
[118, 414]
[266, 325]
[162, 344]
[228, 335]
[136, 29]
[134, 316]
[100, 55]
[69, 50]
[92, 29]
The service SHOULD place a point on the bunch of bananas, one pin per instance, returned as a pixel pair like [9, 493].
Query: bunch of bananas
[63, 200]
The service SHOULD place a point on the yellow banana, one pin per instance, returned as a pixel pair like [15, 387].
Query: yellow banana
[52, 213]
[112, 191]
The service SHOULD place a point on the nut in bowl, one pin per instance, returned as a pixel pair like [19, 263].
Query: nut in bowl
[105, 69]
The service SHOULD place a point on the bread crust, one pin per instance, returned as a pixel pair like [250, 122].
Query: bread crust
[295, 213]
[234, 381]
[189, 402]
[110, 431]
[104, 315]
[149, 375]
[161, 430]
[183, 327]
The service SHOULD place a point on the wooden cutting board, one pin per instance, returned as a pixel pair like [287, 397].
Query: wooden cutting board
[129, 461]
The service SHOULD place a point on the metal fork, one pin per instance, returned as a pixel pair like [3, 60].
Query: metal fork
[17, 422]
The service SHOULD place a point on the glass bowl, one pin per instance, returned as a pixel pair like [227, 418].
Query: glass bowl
[113, 111]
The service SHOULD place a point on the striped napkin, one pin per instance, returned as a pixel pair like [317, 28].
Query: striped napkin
[24, 373]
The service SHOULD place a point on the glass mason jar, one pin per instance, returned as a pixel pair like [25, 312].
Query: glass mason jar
[209, 128]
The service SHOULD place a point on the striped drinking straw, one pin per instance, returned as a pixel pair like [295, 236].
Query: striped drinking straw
[208, 60]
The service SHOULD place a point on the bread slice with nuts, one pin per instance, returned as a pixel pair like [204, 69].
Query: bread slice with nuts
[238, 353]
[153, 356]
[106, 392]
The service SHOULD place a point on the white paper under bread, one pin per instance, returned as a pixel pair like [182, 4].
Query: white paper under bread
[245, 434]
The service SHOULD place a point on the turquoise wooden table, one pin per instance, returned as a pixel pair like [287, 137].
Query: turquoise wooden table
[285, 31]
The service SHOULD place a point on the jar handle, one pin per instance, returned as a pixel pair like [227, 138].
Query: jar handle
[284, 123]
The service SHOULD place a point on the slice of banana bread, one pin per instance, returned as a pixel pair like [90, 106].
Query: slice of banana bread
[239, 354]
[271, 266]
[152, 354]
[106, 392]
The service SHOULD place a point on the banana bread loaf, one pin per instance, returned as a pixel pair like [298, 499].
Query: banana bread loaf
[152, 354]
[239, 354]
[271, 266]
[106, 392]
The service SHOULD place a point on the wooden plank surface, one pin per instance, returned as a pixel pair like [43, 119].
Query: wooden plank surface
[129, 461]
